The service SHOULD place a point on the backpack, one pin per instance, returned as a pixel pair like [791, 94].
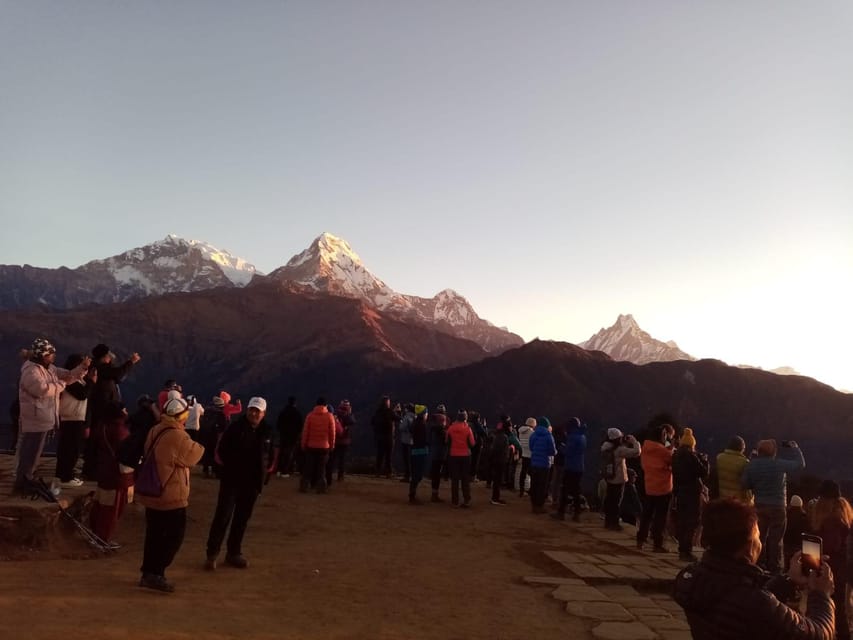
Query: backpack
[608, 464]
[148, 481]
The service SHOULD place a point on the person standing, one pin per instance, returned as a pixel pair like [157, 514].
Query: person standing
[555, 482]
[383, 430]
[249, 451]
[404, 438]
[573, 460]
[166, 515]
[39, 388]
[614, 451]
[797, 524]
[318, 440]
[656, 461]
[194, 421]
[460, 440]
[419, 451]
[343, 439]
[289, 425]
[213, 425]
[437, 424]
[730, 465]
[73, 404]
[689, 472]
[105, 392]
[524, 433]
[114, 479]
[542, 452]
[499, 454]
[767, 477]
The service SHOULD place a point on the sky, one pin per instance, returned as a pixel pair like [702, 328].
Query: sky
[557, 163]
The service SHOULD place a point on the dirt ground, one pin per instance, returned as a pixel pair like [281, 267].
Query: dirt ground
[358, 562]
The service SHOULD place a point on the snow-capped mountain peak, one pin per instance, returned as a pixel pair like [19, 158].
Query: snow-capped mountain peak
[625, 340]
[331, 265]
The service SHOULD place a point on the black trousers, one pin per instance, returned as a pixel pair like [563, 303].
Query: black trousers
[687, 511]
[383, 454]
[571, 486]
[538, 486]
[497, 475]
[314, 469]
[286, 458]
[336, 463]
[612, 501]
[68, 448]
[234, 506]
[164, 535]
[406, 452]
[475, 460]
[655, 511]
[436, 467]
[525, 471]
[460, 472]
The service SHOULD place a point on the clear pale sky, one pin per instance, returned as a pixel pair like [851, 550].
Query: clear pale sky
[557, 163]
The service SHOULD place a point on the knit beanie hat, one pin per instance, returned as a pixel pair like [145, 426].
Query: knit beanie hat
[530, 422]
[419, 409]
[687, 439]
[42, 347]
[542, 421]
[797, 501]
[218, 401]
[613, 433]
[175, 406]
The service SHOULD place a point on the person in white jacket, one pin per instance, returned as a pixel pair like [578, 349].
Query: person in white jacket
[615, 449]
[38, 392]
[524, 433]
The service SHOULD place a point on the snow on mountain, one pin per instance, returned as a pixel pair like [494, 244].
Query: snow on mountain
[331, 265]
[626, 341]
[166, 266]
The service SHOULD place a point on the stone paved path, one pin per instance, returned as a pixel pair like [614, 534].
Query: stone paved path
[624, 594]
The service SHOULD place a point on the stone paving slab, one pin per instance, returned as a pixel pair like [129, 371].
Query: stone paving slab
[668, 634]
[548, 580]
[579, 593]
[618, 590]
[602, 611]
[623, 631]
[584, 570]
[636, 601]
[623, 571]
[670, 624]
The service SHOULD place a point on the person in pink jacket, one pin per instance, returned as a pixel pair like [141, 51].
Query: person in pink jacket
[318, 440]
[38, 393]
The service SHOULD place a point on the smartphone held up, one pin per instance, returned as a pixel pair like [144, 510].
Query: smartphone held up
[812, 551]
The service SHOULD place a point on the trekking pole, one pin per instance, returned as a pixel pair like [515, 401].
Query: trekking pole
[41, 490]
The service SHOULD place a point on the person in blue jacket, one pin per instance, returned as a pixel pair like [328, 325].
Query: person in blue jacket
[542, 452]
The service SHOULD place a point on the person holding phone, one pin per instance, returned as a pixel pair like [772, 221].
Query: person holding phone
[831, 520]
[726, 596]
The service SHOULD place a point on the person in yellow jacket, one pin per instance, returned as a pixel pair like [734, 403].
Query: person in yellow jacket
[166, 515]
[730, 466]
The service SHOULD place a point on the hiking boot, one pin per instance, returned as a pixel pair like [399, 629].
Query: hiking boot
[686, 556]
[158, 583]
[558, 516]
[660, 549]
[210, 563]
[435, 498]
[640, 545]
[237, 561]
[499, 502]
[614, 527]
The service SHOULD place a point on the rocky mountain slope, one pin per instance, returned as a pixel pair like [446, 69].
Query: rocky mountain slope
[625, 340]
[330, 265]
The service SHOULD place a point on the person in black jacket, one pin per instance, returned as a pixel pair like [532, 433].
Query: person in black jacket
[289, 426]
[726, 596]
[249, 451]
[383, 423]
[105, 394]
[499, 457]
[689, 473]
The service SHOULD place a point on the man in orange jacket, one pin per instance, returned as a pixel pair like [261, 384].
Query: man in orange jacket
[318, 439]
[656, 460]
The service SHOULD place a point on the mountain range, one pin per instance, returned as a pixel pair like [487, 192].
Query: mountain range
[173, 265]
[625, 340]
[322, 323]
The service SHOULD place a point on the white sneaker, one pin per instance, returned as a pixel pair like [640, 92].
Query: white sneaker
[74, 482]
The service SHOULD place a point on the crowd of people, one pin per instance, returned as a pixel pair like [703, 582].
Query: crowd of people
[737, 509]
